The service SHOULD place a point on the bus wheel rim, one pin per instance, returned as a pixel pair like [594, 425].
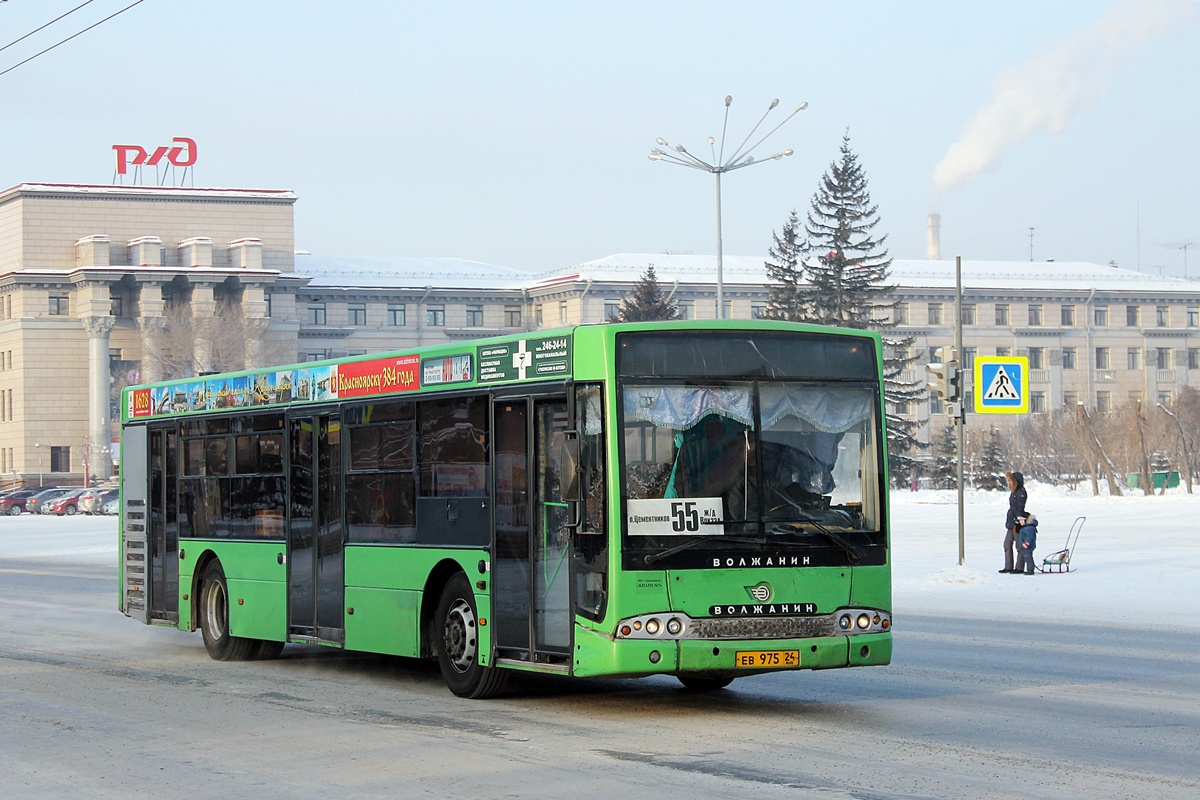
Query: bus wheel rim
[459, 635]
[214, 608]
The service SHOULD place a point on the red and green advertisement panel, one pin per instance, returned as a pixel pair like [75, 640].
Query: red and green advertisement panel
[530, 358]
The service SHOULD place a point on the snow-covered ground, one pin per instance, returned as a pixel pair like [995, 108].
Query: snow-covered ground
[1137, 561]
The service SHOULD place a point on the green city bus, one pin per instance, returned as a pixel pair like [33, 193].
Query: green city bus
[702, 499]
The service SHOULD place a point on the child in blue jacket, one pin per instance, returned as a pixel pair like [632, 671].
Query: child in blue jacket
[1026, 542]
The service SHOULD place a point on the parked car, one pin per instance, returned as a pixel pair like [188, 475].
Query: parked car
[34, 504]
[14, 502]
[65, 504]
[92, 500]
[113, 506]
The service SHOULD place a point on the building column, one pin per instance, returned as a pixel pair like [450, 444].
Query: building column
[99, 421]
[254, 317]
[204, 311]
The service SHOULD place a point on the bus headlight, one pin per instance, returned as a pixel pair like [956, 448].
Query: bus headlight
[653, 626]
[674, 626]
[864, 621]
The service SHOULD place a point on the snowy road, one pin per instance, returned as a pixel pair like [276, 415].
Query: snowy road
[1001, 687]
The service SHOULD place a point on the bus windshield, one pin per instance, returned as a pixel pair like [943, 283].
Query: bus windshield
[735, 465]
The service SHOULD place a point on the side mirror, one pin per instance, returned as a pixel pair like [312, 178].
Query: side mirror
[570, 462]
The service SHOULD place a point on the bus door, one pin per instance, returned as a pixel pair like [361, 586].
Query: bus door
[151, 524]
[531, 608]
[316, 573]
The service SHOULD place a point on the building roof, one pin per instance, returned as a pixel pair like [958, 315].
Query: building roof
[157, 192]
[458, 273]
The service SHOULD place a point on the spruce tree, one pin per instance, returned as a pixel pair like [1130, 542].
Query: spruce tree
[990, 474]
[647, 302]
[786, 271]
[844, 281]
[945, 459]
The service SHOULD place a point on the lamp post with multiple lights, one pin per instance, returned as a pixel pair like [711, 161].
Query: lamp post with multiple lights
[741, 157]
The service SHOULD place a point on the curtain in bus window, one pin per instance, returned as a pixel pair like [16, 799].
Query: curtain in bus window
[803, 428]
[683, 406]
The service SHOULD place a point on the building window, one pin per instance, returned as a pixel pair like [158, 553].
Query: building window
[1070, 400]
[968, 357]
[316, 313]
[1162, 316]
[397, 314]
[1193, 316]
[1068, 316]
[474, 316]
[1037, 402]
[727, 310]
[562, 312]
[1163, 357]
[1068, 358]
[1035, 314]
[538, 319]
[116, 306]
[267, 300]
[1193, 358]
[1104, 402]
[60, 304]
[758, 309]
[900, 313]
[356, 313]
[435, 316]
[512, 316]
[1037, 358]
[968, 314]
[1004, 351]
[316, 355]
[1102, 358]
[686, 310]
[936, 406]
[935, 313]
[1131, 316]
[1002, 313]
[60, 459]
[1135, 396]
[1100, 316]
[1165, 398]
[1133, 358]
[612, 310]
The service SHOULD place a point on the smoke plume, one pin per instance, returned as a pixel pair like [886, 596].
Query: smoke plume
[1044, 92]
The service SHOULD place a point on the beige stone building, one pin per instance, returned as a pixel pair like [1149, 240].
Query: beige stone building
[96, 283]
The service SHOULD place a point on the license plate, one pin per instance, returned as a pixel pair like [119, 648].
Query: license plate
[767, 658]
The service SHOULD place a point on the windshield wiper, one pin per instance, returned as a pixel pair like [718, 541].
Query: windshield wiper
[654, 558]
[837, 541]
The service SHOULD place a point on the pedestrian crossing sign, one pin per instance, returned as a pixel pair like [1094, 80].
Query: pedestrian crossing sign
[1001, 385]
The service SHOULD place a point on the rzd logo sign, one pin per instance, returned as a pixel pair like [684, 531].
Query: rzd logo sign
[181, 153]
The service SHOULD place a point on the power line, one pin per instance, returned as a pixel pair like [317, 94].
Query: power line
[47, 25]
[72, 36]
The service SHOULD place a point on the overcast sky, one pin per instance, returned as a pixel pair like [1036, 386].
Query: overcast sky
[518, 133]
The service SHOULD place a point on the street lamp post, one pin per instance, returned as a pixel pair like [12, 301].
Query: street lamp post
[741, 157]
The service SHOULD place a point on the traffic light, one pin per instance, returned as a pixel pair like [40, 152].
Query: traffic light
[943, 374]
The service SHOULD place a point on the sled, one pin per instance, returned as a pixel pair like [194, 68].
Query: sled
[1061, 560]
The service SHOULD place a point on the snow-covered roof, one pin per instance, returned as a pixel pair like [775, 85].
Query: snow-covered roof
[145, 191]
[458, 273]
[1007, 275]
[405, 272]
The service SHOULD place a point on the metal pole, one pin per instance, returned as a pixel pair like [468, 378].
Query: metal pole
[960, 421]
[720, 255]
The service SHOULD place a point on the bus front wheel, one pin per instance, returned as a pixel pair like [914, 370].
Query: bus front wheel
[214, 618]
[456, 637]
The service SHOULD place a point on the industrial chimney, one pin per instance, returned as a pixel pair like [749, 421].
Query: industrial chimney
[933, 247]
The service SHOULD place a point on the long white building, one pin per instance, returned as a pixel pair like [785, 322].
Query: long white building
[92, 279]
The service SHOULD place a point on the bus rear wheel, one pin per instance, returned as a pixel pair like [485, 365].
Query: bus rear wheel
[214, 618]
[456, 638]
[696, 683]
